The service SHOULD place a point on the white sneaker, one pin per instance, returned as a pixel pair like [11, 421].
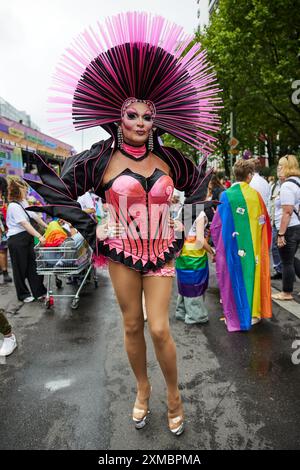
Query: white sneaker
[8, 346]
[28, 299]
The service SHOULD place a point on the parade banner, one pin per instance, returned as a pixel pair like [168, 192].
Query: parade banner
[11, 162]
[20, 131]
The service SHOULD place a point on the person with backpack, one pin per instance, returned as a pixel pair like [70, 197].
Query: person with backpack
[20, 236]
[288, 225]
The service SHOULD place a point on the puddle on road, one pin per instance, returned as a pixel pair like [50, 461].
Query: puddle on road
[55, 385]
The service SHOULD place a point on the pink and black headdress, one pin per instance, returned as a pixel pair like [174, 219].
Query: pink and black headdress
[137, 55]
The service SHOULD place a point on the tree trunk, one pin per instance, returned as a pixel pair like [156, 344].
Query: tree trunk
[226, 163]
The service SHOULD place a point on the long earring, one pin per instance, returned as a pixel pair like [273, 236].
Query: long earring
[120, 137]
[150, 141]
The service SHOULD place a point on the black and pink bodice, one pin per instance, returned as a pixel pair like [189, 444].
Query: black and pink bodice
[141, 205]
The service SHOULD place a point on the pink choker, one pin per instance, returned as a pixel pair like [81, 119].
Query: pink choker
[135, 153]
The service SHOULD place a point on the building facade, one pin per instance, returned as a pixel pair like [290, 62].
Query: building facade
[20, 140]
[8, 111]
[205, 10]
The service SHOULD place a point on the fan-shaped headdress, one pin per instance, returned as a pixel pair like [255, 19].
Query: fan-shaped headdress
[137, 55]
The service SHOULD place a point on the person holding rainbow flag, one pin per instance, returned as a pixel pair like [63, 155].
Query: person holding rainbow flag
[241, 232]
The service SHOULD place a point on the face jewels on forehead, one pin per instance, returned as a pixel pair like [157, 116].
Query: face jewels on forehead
[130, 101]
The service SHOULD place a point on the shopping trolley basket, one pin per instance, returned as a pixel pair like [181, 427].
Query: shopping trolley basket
[68, 259]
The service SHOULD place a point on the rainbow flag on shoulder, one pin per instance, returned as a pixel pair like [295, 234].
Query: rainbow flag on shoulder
[192, 269]
[242, 235]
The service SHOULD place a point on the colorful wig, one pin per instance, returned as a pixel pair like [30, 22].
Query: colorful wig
[146, 57]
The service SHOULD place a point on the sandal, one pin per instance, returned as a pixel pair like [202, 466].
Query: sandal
[281, 296]
[176, 419]
[140, 412]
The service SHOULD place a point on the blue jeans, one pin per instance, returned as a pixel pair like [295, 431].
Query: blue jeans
[275, 252]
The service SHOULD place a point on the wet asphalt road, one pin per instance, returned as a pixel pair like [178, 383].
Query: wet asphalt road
[69, 386]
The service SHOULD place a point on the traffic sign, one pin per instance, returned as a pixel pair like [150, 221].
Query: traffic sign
[233, 142]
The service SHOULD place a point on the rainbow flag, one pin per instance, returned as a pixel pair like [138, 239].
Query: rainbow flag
[241, 233]
[192, 270]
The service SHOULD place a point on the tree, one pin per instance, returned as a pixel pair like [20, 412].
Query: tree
[185, 149]
[254, 46]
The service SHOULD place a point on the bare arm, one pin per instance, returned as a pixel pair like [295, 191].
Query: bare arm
[200, 239]
[287, 212]
[208, 248]
[200, 226]
[41, 222]
[31, 230]
[36, 216]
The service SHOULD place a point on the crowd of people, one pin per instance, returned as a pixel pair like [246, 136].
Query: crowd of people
[20, 231]
[137, 90]
[275, 213]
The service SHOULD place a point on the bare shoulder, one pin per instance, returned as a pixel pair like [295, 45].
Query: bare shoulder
[114, 167]
[159, 163]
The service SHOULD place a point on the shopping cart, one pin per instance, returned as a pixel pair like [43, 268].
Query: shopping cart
[67, 260]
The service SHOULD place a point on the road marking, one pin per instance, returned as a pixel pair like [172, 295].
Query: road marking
[58, 384]
[290, 305]
[2, 358]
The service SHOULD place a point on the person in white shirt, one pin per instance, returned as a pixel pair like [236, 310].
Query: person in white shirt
[288, 224]
[20, 242]
[260, 184]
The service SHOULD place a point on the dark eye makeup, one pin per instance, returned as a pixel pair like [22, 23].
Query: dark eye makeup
[146, 117]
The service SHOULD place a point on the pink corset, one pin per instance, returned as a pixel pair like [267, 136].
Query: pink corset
[141, 204]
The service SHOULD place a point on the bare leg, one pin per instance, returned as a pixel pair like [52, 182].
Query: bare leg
[3, 260]
[127, 284]
[157, 296]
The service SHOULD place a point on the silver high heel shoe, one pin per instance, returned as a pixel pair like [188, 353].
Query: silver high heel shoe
[176, 420]
[141, 412]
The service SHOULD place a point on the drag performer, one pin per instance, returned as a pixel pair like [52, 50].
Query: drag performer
[137, 79]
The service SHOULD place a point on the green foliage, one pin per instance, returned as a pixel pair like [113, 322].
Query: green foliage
[254, 46]
[185, 149]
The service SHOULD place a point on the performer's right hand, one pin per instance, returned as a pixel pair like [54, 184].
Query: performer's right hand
[104, 231]
[101, 231]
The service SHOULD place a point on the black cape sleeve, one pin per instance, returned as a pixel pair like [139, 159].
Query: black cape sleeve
[80, 173]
